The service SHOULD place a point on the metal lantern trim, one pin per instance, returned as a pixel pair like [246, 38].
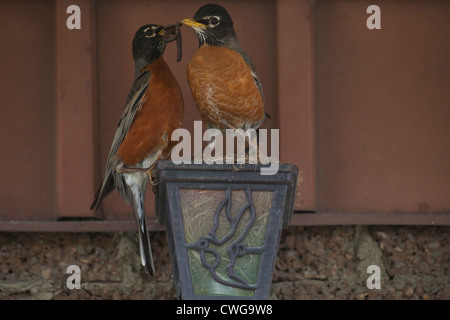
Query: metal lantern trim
[223, 226]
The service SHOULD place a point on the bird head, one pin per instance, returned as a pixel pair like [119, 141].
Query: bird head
[213, 25]
[149, 43]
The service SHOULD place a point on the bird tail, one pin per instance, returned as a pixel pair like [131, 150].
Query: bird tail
[137, 201]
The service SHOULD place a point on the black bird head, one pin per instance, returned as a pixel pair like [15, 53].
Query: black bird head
[213, 25]
[149, 43]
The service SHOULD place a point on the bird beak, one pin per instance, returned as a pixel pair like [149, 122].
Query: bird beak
[162, 32]
[194, 24]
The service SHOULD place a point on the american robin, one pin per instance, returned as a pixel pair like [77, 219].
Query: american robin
[153, 110]
[221, 76]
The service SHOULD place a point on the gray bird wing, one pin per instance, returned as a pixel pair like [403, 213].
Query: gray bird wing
[132, 104]
[233, 43]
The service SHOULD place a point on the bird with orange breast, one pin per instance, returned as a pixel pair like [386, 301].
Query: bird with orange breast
[221, 76]
[153, 110]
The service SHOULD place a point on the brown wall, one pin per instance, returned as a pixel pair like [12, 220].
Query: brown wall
[363, 113]
[383, 107]
[27, 88]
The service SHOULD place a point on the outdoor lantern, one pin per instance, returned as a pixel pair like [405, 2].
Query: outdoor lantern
[223, 225]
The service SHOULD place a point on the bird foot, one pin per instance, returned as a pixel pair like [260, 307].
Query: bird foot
[152, 180]
[131, 170]
[148, 171]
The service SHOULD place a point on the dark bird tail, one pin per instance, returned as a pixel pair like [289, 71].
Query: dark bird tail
[136, 196]
[145, 248]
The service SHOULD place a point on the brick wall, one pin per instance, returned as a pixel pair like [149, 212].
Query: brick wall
[313, 263]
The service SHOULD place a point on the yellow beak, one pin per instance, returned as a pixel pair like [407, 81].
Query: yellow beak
[162, 32]
[193, 23]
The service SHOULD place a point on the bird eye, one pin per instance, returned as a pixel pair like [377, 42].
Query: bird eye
[213, 21]
[150, 32]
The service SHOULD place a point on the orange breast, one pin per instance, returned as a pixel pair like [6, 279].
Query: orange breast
[223, 89]
[161, 112]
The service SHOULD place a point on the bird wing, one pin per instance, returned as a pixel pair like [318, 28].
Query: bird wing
[258, 83]
[132, 104]
[233, 43]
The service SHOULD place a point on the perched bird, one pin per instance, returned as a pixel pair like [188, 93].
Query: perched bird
[221, 76]
[153, 110]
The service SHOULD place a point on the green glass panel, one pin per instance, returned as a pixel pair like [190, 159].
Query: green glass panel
[199, 208]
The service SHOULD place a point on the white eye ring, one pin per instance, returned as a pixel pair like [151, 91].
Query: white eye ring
[153, 32]
[213, 21]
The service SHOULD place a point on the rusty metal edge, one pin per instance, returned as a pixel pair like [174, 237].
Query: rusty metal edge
[322, 219]
[298, 219]
[74, 226]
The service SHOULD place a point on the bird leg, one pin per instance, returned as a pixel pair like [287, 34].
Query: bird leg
[252, 145]
[148, 171]
[132, 170]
